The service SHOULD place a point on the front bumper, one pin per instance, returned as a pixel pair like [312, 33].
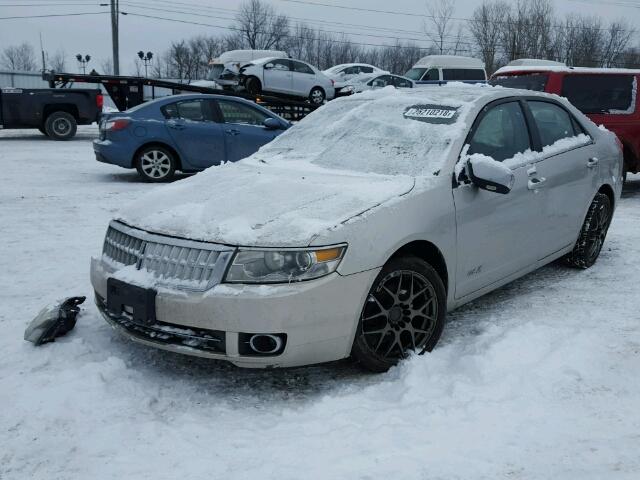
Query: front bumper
[318, 317]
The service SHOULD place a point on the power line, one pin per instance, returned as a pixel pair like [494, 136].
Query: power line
[53, 15]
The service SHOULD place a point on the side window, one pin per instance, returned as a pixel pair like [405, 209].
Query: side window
[193, 110]
[381, 81]
[281, 64]
[599, 93]
[453, 74]
[366, 69]
[402, 82]
[473, 74]
[300, 67]
[235, 112]
[351, 71]
[554, 122]
[501, 133]
[431, 74]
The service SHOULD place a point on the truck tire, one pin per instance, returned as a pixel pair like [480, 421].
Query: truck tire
[60, 126]
[156, 164]
[253, 86]
[404, 311]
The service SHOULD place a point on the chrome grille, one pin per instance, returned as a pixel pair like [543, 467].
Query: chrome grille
[174, 262]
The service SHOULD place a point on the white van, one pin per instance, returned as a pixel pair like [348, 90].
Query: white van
[440, 69]
[224, 69]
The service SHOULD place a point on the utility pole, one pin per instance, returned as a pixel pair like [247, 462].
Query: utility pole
[115, 12]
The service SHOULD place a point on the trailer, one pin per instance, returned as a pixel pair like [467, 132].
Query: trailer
[128, 91]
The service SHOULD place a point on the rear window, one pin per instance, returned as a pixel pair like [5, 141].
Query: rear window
[600, 93]
[536, 81]
[452, 74]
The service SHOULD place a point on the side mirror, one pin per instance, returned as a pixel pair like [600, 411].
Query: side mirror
[269, 66]
[271, 124]
[490, 175]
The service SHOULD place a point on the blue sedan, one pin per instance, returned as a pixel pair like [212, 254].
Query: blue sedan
[185, 132]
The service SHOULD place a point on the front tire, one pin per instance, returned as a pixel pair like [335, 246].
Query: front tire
[404, 311]
[60, 126]
[156, 164]
[253, 86]
[592, 235]
[317, 96]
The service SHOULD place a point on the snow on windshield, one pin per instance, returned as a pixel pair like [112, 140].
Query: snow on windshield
[375, 132]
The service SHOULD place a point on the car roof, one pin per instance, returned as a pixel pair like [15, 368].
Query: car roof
[196, 96]
[445, 61]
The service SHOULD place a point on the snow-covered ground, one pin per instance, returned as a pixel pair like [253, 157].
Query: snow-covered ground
[539, 380]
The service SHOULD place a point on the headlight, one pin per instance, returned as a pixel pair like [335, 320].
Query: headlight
[283, 266]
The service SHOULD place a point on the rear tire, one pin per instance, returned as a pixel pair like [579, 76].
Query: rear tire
[317, 96]
[253, 86]
[404, 310]
[60, 126]
[592, 235]
[156, 164]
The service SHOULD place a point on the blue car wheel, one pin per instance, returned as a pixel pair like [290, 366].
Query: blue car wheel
[156, 164]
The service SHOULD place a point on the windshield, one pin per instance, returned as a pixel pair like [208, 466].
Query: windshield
[215, 71]
[415, 73]
[391, 135]
[534, 81]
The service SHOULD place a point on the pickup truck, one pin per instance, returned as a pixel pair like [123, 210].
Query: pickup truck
[55, 112]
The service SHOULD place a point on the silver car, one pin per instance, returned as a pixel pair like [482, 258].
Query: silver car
[354, 232]
[288, 77]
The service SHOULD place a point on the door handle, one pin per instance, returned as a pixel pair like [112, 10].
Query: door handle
[175, 126]
[233, 132]
[592, 162]
[536, 183]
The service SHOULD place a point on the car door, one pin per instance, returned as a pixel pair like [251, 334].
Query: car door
[244, 132]
[496, 233]
[197, 136]
[566, 172]
[277, 76]
[304, 78]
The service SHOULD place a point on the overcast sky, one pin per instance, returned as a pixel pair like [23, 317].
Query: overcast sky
[92, 34]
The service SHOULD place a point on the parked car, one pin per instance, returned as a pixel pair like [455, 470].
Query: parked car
[55, 112]
[287, 77]
[360, 83]
[185, 132]
[224, 70]
[440, 69]
[355, 231]
[345, 72]
[607, 96]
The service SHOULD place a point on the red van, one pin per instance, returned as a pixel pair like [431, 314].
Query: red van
[607, 96]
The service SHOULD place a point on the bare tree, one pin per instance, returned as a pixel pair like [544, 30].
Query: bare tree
[58, 61]
[260, 26]
[106, 66]
[439, 25]
[486, 25]
[618, 36]
[19, 57]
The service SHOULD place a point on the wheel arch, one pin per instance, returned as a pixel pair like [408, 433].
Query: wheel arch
[60, 107]
[428, 252]
[157, 143]
[607, 190]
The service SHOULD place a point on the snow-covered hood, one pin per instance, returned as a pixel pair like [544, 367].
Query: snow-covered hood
[254, 204]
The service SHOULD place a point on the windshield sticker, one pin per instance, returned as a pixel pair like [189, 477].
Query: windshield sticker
[431, 113]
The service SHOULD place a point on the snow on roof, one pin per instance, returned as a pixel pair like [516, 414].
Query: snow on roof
[247, 55]
[534, 62]
[563, 68]
[346, 65]
[449, 61]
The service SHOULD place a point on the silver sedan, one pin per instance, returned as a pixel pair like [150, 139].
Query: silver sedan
[354, 232]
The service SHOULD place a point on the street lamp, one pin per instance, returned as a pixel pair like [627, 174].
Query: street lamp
[83, 62]
[146, 58]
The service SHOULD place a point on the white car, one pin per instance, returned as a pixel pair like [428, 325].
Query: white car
[360, 83]
[356, 230]
[288, 77]
[346, 71]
